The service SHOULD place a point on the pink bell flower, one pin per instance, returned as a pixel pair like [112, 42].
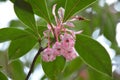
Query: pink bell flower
[48, 55]
[57, 49]
[69, 54]
[67, 41]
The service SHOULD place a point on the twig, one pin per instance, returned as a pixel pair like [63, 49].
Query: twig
[33, 63]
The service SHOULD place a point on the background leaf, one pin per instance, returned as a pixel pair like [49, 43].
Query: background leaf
[0, 66]
[73, 6]
[21, 46]
[25, 13]
[2, 76]
[11, 34]
[53, 69]
[16, 70]
[93, 54]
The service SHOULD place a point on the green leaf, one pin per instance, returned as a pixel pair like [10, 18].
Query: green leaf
[72, 67]
[40, 8]
[16, 24]
[11, 34]
[2, 76]
[116, 47]
[25, 13]
[83, 25]
[73, 6]
[93, 54]
[41, 29]
[21, 46]
[0, 66]
[12, 1]
[94, 75]
[16, 70]
[109, 29]
[53, 69]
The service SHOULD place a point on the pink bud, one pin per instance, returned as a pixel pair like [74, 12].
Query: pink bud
[49, 26]
[61, 13]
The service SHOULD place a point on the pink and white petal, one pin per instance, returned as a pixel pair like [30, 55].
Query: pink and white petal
[53, 9]
[70, 24]
[49, 26]
[78, 32]
[54, 14]
[61, 13]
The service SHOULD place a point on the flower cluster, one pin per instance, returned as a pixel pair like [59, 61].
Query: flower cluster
[65, 38]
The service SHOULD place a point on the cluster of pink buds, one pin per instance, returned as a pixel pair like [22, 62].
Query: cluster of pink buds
[65, 38]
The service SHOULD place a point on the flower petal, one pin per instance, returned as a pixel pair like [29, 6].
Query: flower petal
[70, 24]
[61, 13]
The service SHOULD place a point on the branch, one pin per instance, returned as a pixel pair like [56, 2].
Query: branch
[33, 63]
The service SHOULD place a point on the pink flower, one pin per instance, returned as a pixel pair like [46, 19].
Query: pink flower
[57, 49]
[48, 55]
[65, 38]
[69, 54]
[67, 41]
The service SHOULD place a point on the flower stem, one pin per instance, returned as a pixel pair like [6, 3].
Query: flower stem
[33, 63]
[53, 30]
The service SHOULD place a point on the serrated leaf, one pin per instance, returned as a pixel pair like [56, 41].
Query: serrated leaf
[2, 76]
[93, 54]
[12, 34]
[73, 6]
[21, 46]
[53, 69]
[40, 8]
[25, 13]
[16, 70]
